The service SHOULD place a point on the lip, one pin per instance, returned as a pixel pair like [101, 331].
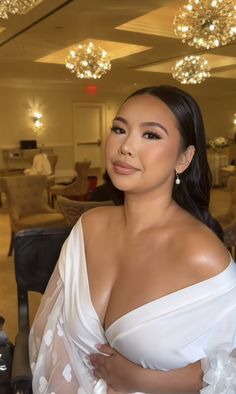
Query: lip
[123, 168]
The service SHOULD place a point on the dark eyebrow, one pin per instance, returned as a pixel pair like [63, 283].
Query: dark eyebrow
[120, 119]
[155, 124]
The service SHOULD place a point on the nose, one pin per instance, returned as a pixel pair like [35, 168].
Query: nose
[127, 147]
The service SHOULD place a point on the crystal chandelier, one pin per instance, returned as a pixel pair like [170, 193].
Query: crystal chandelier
[191, 70]
[206, 23]
[16, 7]
[88, 61]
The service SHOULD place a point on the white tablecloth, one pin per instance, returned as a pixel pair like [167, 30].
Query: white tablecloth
[216, 161]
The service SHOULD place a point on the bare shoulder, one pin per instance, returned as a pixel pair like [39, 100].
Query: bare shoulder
[204, 252]
[96, 220]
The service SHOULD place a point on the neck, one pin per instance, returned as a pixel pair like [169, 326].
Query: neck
[142, 212]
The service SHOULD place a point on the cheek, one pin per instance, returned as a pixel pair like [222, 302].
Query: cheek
[163, 155]
[111, 146]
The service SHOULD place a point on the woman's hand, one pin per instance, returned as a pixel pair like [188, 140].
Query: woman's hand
[123, 376]
[118, 372]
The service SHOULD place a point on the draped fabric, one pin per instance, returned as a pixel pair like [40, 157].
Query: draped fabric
[41, 165]
[192, 324]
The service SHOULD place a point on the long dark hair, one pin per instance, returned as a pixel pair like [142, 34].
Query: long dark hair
[193, 193]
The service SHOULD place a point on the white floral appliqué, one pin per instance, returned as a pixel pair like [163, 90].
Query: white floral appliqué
[59, 330]
[48, 337]
[219, 373]
[42, 384]
[67, 373]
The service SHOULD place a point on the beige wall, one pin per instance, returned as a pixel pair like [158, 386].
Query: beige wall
[218, 116]
[56, 105]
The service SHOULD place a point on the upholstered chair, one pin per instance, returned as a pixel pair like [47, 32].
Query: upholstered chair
[72, 210]
[78, 187]
[26, 203]
[53, 159]
[9, 172]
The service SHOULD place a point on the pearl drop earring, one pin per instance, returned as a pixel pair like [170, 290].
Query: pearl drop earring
[177, 180]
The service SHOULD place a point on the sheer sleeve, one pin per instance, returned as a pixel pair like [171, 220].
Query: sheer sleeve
[50, 358]
[66, 328]
[52, 291]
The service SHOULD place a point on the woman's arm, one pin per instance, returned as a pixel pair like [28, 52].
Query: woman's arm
[127, 377]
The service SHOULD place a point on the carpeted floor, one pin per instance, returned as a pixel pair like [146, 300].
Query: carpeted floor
[8, 300]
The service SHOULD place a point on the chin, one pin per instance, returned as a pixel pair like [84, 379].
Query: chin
[120, 182]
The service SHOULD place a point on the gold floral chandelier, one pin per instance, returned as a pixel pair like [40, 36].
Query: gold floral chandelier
[191, 70]
[88, 61]
[16, 7]
[206, 23]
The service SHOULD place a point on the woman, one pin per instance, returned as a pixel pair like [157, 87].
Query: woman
[143, 296]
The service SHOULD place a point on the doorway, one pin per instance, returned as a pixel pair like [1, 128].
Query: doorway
[89, 134]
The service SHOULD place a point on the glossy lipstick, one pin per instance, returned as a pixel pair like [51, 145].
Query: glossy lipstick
[123, 168]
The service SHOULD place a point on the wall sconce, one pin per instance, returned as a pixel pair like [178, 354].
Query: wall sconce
[37, 119]
[234, 119]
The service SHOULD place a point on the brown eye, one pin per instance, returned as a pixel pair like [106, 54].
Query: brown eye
[150, 135]
[117, 130]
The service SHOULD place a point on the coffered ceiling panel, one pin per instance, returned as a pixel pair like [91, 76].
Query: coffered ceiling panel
[137, 34]
[115, 49]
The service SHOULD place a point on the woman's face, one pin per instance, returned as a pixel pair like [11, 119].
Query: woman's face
[143, 147]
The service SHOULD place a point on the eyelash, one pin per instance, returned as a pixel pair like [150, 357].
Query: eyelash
[154, 136]
[149, 135]
[115, 129]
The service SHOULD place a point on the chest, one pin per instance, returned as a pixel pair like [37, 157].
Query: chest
[124, 275]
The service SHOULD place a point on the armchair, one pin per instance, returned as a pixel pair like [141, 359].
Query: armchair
[72, 210]
[36, 254]
[27, 208]
[78, 187]
[53, 162]
[51, 178]
[42, 164]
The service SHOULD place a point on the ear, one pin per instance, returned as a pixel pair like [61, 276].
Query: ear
[185, 159]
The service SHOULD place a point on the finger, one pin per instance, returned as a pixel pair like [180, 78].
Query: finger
[105, 348]
[98, 374]
[97, 359]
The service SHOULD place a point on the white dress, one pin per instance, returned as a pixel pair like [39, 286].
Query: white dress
[195, 323]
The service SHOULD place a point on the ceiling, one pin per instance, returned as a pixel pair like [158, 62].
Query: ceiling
[138, 35]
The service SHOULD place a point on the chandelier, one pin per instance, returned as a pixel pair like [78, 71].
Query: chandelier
[206, 23]
[16, 7]
[88, 61]
[191, 70]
